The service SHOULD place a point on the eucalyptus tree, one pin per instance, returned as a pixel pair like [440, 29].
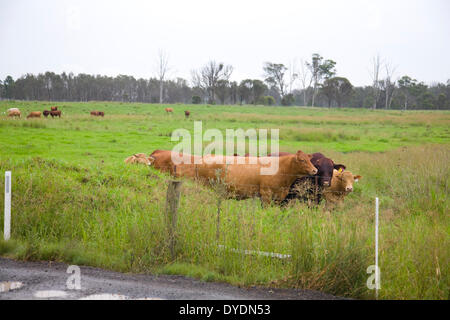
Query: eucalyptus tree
[275, 76]
[406, 85]
[320, 69]
[208, 76]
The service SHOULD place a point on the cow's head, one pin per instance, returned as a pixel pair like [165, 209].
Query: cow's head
[325, 167]
[151, 160]
[142, 158]
[304, 164]
[344, 180]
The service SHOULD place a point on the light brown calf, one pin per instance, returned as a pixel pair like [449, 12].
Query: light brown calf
[341, 186]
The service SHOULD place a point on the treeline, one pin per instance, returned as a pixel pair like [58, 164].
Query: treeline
[314, 83]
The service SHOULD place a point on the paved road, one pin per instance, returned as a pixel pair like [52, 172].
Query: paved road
[47, 280]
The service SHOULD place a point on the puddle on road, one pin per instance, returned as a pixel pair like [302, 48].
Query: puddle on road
[50, 294]
[105, 296]
[10, 285]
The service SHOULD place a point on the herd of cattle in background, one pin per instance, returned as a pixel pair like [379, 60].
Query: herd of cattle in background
[53, 112]
[306, 177]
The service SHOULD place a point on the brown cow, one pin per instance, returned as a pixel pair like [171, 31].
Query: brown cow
[34, 114]
[245, 180]
[140, 158]
[279, 154]
[53, 108]
[310, 188]
[341, 186]
[97, 113]
[187, 113]
[56, 113]
[163, 161]
[169, 110]
[13, 112]
[46, 113]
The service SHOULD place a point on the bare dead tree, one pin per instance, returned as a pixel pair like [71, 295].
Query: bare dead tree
[375, 75]
[305, 79]
[162, 70]
[389, 85]
[293, 74]
[208, 76]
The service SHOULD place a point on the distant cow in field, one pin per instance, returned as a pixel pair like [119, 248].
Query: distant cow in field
[34, 114]
[46, 113]
[53, 108]
[13, 112]
[97, 113]
[187, 113]
[56, 113]
[169, 110]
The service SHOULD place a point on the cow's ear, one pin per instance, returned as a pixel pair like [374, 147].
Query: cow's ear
[310, 156]
[298, 155]
[357, 178]
[339, 167]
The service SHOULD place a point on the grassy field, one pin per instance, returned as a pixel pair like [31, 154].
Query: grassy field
[74, 199]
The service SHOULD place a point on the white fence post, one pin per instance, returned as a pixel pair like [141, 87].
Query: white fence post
[377, 273]
[7, 220]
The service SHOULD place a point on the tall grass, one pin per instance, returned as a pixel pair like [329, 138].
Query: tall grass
[112, 216]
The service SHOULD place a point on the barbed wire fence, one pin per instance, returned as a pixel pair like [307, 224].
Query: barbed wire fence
[221, 188]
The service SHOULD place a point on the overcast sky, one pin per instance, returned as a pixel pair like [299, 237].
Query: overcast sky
[123, 37]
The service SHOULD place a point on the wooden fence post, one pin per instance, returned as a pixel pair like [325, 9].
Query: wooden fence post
[172, 202]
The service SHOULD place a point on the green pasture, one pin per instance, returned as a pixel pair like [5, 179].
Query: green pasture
[74, 199]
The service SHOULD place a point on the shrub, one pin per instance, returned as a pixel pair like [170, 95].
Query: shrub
[196, 100]
[288, 100]
[267, 100]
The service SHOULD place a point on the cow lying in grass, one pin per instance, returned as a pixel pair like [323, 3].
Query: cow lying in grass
[163, 162]
[241, 175]
[140, 158]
